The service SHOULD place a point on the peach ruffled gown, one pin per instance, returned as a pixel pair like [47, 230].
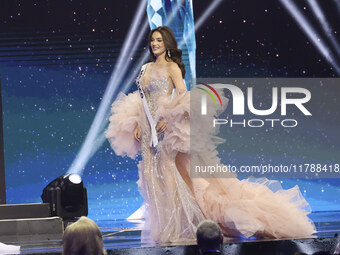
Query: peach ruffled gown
[252, 207]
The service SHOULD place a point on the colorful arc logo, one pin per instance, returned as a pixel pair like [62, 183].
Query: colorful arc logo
[204, 109]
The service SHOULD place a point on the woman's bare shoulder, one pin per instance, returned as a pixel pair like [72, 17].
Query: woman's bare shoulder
[171, 63]
[172, 66]
[148, 64]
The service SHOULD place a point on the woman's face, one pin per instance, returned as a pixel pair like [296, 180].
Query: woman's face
[157, 44]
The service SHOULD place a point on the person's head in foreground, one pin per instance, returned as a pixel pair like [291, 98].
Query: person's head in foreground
[83, 238]
[209, 237]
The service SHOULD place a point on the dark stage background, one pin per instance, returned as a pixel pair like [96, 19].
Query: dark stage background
[56, 58]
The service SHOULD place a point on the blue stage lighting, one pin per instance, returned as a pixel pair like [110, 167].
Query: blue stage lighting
[325, 25]
[95, 138]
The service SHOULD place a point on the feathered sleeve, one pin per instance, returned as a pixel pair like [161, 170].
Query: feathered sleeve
[127, 112]
[179, 116]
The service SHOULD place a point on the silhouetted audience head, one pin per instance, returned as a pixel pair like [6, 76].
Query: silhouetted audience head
[83, 238]
[209, 237]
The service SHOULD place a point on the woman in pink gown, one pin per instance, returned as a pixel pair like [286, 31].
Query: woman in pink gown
[155, 122]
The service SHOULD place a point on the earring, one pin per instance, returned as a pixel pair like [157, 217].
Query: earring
[169, 55]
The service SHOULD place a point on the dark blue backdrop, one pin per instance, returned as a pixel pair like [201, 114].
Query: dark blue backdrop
[55, 62]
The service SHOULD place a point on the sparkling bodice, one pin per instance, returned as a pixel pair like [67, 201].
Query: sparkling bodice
[155, 88]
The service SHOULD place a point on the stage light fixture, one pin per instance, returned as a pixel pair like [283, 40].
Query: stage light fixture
[67, 196]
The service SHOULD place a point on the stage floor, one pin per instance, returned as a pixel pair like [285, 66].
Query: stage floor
[123, 237]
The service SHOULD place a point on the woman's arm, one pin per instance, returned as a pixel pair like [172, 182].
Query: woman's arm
[176, 76]
[177, 81]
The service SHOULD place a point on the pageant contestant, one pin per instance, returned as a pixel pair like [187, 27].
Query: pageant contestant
[156, 123]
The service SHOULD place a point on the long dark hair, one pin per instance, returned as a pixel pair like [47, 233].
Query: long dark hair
[170, 44]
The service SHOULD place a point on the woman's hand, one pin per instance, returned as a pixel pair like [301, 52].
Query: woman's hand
[137, 133]
[161, 126]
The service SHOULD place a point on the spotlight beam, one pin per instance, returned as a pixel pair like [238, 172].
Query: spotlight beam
[337, 5]
[121, 71]
[89, 145]
[95, 137]
[323, 21]
[311, 33]
[207, 13]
